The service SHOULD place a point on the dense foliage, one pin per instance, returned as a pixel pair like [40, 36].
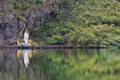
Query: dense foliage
[81, 23]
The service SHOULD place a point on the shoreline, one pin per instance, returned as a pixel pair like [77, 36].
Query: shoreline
[55, 47]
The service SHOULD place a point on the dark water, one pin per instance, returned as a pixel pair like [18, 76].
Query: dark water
[60, 64]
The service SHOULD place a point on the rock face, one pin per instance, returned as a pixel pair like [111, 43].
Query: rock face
[8, 24]
[12, 27]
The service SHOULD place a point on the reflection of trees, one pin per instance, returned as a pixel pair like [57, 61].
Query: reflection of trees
[81, 65]
[57, 65]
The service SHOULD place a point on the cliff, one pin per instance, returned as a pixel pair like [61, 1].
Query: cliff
[14, 19]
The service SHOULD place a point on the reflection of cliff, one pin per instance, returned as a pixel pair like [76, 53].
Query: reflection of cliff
[8, 65]
[12, 67]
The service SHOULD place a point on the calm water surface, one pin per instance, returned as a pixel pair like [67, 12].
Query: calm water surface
[49, 64]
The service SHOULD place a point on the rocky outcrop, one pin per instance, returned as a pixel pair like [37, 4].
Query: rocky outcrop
[12, 27]
[8, 24]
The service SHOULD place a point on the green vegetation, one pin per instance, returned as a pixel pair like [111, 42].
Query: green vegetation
[81, 23]
[75, 22]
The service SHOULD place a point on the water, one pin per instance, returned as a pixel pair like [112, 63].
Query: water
[49, 64]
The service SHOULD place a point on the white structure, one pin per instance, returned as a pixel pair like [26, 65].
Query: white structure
[26, 37]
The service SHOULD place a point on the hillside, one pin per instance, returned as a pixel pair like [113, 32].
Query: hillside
[61, 22]
[81, 23]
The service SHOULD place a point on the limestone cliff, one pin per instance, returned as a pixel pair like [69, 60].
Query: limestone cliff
[12, 26]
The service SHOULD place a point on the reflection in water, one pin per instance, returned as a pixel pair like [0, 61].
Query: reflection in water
[59, 65]
[26, 58]
[26, 54]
